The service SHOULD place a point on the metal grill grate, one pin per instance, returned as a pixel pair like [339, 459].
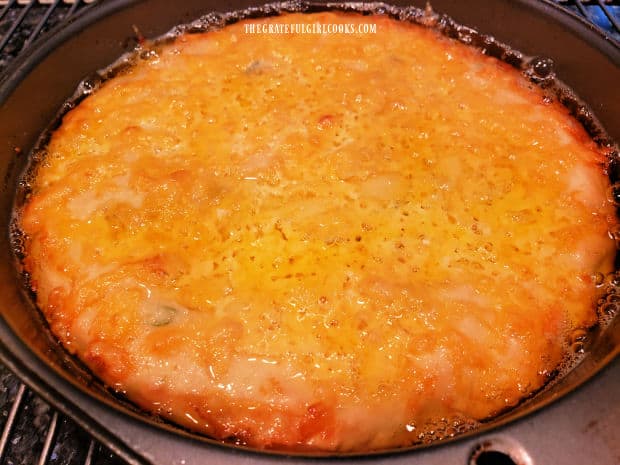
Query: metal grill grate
[35, 434]
[32, 433]
[603, 13]
[21, 22]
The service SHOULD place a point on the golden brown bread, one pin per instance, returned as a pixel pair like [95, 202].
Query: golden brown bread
[332, 242]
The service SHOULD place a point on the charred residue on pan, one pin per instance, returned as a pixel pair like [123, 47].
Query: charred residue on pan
[540, 72]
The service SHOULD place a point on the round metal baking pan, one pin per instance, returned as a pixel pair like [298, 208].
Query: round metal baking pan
[38, 84]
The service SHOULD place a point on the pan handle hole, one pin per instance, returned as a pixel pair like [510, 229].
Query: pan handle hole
[500, 450]
[493, 457]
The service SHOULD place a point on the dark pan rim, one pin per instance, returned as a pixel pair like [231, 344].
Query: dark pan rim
[43, 378]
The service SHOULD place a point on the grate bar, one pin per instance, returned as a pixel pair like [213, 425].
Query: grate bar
[612, 18]
[90, 453]
[73, 7]
[6, 432]
[581, 8]
[49, 437]
[15, 25]
[7, 6]
[42, 22]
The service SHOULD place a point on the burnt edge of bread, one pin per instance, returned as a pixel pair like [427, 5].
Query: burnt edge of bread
[538, 70]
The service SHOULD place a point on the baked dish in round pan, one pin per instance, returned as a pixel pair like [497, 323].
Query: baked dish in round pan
[327, 241]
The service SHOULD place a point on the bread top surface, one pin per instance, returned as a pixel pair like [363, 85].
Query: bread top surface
[338, 242]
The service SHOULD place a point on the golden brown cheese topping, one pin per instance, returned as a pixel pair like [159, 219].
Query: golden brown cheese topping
[334, 242]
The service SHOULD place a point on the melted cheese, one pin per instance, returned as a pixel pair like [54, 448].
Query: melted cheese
[332, 242]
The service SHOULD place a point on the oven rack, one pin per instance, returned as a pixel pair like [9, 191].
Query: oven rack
[605, 14]
[31, 431]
